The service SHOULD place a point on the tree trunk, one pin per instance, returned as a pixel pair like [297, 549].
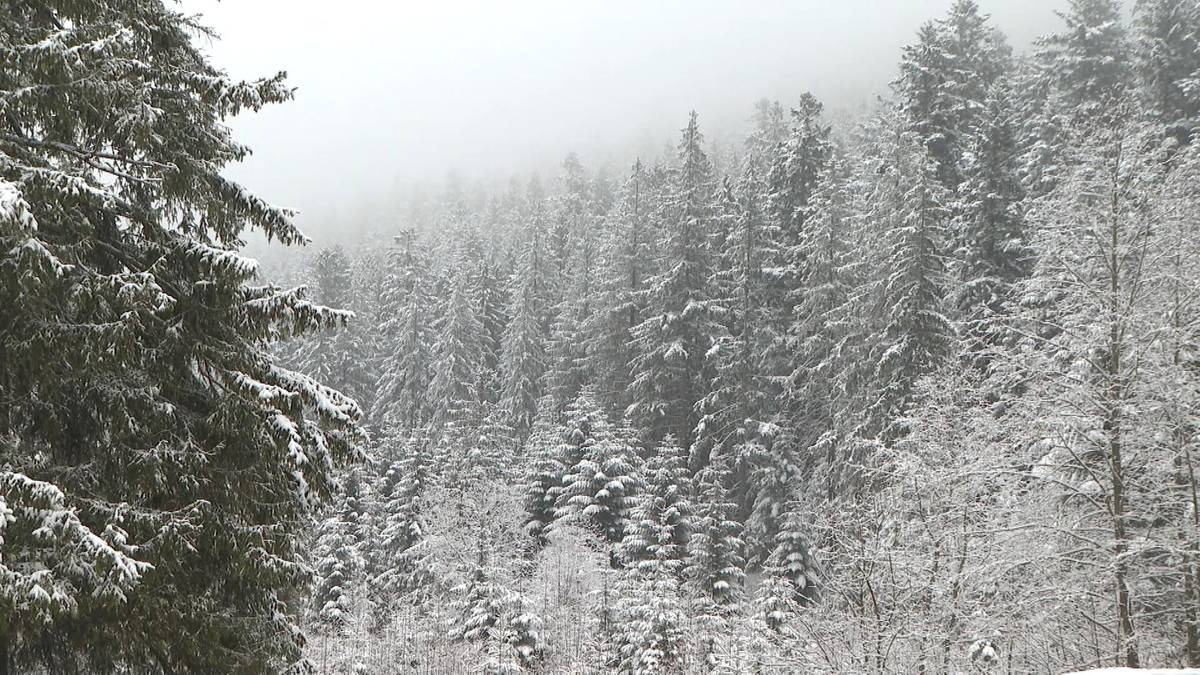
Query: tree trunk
[1114, 395]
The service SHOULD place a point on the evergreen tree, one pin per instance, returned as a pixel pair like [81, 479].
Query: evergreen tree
[944, 80]
[338, 558]
[395, 563]
[715, 565]
[797, 166]
[1090, 61]
[598, 487]
[625, 263]
[770, 129]
[523, 357]
[545, 454]
[832, 275]
[793, 557]
[653, 619]
[158, 465]
[337, 357]
[480, 600]
[406, 339]
[661, 519]
[457, 354]
[914, 335]
[669, 374]
[1167, 61]
[990, 249]
[567, 349]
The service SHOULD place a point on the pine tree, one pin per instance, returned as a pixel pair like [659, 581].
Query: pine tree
[669, 374]
[143, 414]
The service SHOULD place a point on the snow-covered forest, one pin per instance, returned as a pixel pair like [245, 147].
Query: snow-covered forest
[909, 389]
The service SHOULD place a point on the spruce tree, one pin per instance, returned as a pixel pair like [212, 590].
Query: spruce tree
[457, 353]
[158, 465]
[544, 454]
[1090, 60]
[600, 485]
[338, 557]
[396, 564]
[625, 262]
[914, 335]
[990, 252]
[669, 373]
[793, 557]
[796, 168]
[337, 357]
[715, 563]
[944, 79]
[661, 518]
[406, 339]
[1167, 62]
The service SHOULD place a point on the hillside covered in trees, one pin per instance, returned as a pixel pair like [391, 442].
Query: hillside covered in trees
[912, 390]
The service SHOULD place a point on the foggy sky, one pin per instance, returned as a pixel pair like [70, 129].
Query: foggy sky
[390, 92]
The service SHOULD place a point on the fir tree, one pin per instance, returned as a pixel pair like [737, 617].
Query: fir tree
[944, 79]
[669, 374]
[715, 565]
[143, 414]
[625, 263]
[338, 558]
[793, 557]
[598, 487]
[915, 335]
[457, 354]
[1090, 60]
[1167, 62]
[798, 164]
[544, 454]
[395, 562]
[407, 341]
[661, 519]
[337, 357]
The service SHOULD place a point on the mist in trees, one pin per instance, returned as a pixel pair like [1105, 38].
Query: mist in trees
[914, 389]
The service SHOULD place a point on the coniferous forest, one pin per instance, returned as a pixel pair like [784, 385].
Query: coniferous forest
[911, 389]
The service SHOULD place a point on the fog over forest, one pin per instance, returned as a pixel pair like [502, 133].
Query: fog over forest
[632, 337]
[396, 95]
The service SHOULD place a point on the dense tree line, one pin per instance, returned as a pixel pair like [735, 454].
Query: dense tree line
[914, 396]
[920, 394]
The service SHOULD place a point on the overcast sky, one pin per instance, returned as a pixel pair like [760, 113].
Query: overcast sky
[392, 91]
